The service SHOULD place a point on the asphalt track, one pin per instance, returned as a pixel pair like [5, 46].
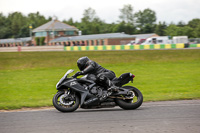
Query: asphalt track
[153, 117]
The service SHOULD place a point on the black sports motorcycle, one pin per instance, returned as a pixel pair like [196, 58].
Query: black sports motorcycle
[86, 93]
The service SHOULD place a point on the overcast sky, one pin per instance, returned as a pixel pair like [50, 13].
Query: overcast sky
[107, 10]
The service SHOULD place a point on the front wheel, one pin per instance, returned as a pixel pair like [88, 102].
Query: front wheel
[65, 102]
[134, 102]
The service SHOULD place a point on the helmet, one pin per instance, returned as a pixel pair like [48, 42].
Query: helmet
[82, 63]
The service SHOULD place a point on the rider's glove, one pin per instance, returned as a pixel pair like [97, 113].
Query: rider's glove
[78, 73]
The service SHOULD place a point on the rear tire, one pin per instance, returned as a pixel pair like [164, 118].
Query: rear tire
[129, 104]
[70, 105]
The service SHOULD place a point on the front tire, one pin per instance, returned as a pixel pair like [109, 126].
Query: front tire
[63, 104]
[129, 104]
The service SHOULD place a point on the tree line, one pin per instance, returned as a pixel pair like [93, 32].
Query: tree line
[17, 25]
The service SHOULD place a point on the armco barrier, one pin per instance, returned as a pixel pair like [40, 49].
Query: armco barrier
[129, 47]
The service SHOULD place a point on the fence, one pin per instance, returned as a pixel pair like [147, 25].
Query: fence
[130, 47]
[31, 48]
[95, 48]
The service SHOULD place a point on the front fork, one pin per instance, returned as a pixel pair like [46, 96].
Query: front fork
[68, 94]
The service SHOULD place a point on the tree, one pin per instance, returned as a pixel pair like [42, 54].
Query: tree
[184, 31]
[35, 19]
[5, 31]
[37, 40]
[160, 28]
[181, 24]
[24, 31]
[120, 27]
[196, 32]
[16, 21]
[70, 21]
[194, 23]
[123, 27]
[42, 40]
[126, 23]
[127, 15]
[173, 30]
[90, 23]
[17, 25]
[148, 28]
[89, 15]
[145, 19]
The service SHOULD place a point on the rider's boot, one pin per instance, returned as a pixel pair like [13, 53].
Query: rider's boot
[112, 87]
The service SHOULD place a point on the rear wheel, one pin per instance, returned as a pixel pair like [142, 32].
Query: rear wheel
[133, 102]
[65, 102]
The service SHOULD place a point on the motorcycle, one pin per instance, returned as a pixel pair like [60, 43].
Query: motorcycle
[86, 93]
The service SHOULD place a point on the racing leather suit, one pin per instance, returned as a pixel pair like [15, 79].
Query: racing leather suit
[103, 75]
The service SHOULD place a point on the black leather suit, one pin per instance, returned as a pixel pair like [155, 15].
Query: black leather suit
[103, 75]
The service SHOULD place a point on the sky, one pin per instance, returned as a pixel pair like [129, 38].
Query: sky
[107, 10]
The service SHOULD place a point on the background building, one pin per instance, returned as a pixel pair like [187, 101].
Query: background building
[94, 40]
[52, 30]
[13, 42]
[57, 33]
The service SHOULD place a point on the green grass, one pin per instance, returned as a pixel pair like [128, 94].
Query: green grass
[28, 79]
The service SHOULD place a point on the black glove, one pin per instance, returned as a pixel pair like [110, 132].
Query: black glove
[78, 73]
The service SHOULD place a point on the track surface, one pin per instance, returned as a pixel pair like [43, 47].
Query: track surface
[153, 117]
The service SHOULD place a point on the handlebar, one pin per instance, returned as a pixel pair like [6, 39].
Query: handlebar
[77, 74]
[74, 76]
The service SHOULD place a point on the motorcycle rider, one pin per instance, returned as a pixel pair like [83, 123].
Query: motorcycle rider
[104, 76]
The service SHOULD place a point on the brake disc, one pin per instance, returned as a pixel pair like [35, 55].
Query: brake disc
[64, 102]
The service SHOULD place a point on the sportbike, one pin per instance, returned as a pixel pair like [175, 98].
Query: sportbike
[86, 93]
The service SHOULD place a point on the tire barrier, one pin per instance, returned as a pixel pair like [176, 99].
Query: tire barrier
[129, 47]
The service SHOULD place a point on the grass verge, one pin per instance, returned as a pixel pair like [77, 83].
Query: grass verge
[28, 79]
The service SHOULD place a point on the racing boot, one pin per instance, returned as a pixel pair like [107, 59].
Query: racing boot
[112, 87]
